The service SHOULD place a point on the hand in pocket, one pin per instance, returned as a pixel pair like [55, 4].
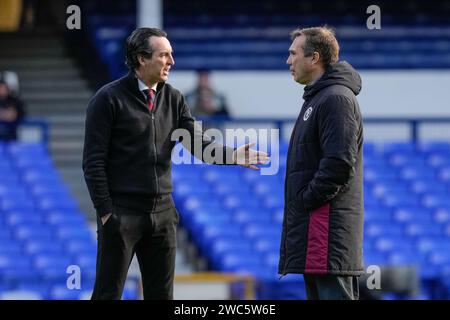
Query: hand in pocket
[105, 218]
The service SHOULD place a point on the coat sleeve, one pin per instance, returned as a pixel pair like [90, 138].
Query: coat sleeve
[200, 144]
[338, 131]
[98, 126]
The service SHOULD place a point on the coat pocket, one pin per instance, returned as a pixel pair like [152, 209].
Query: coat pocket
[296, 184]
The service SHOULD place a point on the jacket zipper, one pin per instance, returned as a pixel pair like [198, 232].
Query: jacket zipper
[156, 152]
[285, 188]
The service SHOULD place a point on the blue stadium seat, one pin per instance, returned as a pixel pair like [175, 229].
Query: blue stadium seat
[380, 175]
[374, 258]
[405, 161]
[393, 243]
[405, 259]
[61, 292]
[54, 274]
[439, 258]
[266, 245]
[441, 215]
[377, 214]
[412, 214]
[53, 260]
[222, 188]
[77, 246]
[86, 261]
[444, 174]
[9, 204]
[43, 162]
[69, 218]
[376, 229]
[434, 146]
[271, 259]
[273, 201]
[381, 190]
[417, 229]
[250, 216]
[13, 191]
[19, 148]
[234, 202]
[400, 147]
[5, 234]
[232, 261]
[35, 176]
[213, 232]
[400, 200]
[20, 295]
[277, 215]
[55, 202]
[40, 247]
[10, 261]
[428, 186]
[183, 189]
[73, 232]
[439, 160]
[130, 292]
[15, 217]
[432, 243]
[51, 188]
[9, 247]
[40, 288]
[33, 233]
[220, 248]
[262, 230]
[436, 200]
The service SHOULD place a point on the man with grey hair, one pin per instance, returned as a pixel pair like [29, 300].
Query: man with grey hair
[323, 219]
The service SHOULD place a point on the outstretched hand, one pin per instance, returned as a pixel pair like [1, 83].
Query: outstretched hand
[247, 157]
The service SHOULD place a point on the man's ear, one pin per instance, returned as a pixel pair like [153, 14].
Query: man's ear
[141, 60]
[316, 58]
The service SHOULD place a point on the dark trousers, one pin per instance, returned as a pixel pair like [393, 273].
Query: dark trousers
[152, 237]
[331, 287]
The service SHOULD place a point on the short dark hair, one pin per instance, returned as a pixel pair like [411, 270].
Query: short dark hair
[138, 45]
[321, 40]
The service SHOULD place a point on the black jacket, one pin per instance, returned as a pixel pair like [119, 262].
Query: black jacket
[8, 129]
[127, 148]
[323, 215]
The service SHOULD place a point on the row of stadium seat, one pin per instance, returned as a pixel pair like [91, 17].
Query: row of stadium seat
[238, 227]
[42, 231]
[245, 46]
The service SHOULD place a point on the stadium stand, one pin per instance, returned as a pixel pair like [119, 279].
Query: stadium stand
[237, 228]
[407, 215]
[42, 231]
[206, 36]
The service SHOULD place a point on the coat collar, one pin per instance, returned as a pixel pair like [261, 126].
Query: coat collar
[132, 83]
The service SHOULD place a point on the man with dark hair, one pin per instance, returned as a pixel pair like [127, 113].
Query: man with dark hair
[323, 219]
[127, 167]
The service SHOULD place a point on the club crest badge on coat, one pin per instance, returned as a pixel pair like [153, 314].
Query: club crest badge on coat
[307, 113]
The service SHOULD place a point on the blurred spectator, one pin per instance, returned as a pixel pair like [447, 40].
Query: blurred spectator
[204, 100]
[39, 13]
[12, 80]
[11, 112]
[28, 17]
